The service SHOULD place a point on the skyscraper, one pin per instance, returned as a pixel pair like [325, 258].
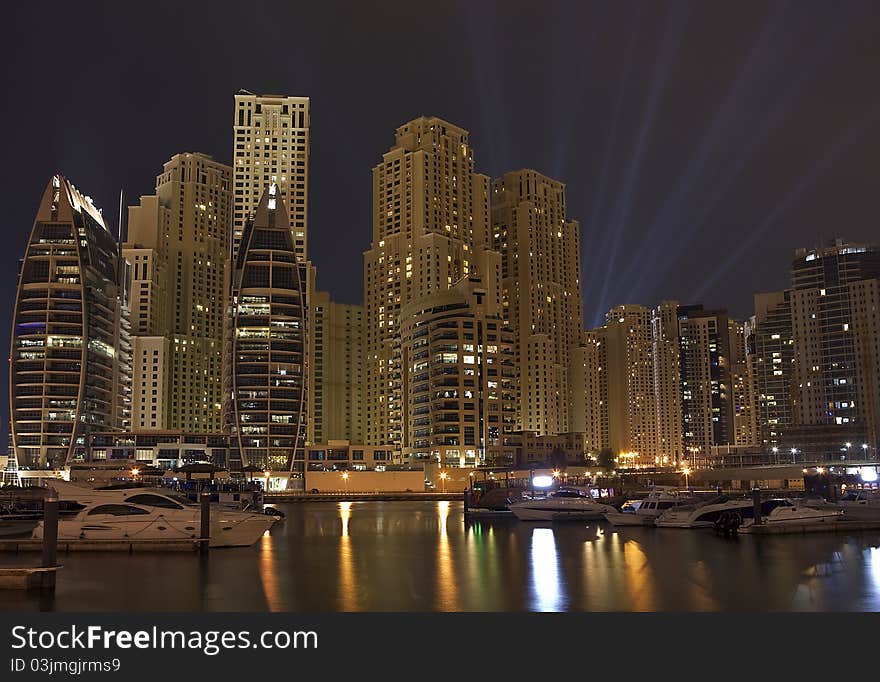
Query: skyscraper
[771, 350]
[430, 230]
[336, 395]
[630, 380]
[265, 377]
[666, 352]
[588, 387]
[177, 245]
[69, 365]
[457, 358]
[271, 145]
[742, 386]
[541, 292]
[707, 405]
[835, 299]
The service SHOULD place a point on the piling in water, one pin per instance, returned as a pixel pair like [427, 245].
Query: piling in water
[756, 505]
[205, 525]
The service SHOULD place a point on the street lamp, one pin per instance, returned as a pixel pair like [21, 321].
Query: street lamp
[686, 471]
[775, 454]
[793, 453]
[443, 476]
[345, 479]
[134, 472]
[267, 474]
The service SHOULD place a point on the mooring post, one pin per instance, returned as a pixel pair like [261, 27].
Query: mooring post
[756, 505]
[205, 525]
[50, 539]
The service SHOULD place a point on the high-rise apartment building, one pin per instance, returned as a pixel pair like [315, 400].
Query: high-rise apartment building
[541, 292]
[271, 145]
[629, 368]
[706, 396]
[336, 395]
[266, 409]
[666, 354]
[742, 386]
[835, 313]
[69, 352]
[177, 244]
[771, 355]
[458, 394]
[588, 387]
[430, 230]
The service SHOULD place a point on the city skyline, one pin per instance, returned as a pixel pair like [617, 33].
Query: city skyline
[641, 238]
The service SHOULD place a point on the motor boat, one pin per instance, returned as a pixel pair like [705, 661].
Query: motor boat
[564, 504]
[858, 505]
[151, 514]
[795, 515]
[709, 513]
[644, 512]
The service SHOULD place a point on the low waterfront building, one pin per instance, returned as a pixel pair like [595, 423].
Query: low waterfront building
[343, 455]
[162, 449]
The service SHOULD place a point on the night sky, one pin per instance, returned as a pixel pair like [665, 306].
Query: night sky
[700, 142]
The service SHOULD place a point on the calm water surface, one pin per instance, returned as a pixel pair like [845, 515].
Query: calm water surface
[422, 556]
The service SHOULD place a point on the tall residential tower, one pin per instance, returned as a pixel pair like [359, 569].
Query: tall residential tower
[541, 293]
[430, 230]
[177, 246]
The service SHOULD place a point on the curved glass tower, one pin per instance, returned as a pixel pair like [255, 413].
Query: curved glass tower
[266, 378]
[69, 349]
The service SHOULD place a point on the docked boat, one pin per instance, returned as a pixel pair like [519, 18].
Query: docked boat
[644, 512]
[796, 515]
[151, 514]
[858, 505]
[565, 504]
[709, 513]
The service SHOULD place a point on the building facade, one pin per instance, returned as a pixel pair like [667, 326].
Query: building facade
[337, 405]
[666, 352]
[835, 312]
[630, 380]
[265, 380]
[458, 387]
[271, 146]
[541, 292]
[706, 397]
[70, 371]
[771, 356]
[177, 246]
[588, 387]
[430, 227]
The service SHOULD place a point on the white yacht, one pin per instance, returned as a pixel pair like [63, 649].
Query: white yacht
[645, 511]
[564, 504]
[150, 514]
[706, 514]
[858, 505]
[795, 515]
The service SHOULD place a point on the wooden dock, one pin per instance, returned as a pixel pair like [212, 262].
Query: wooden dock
[272, 498]
[130, 546]
[28, 577]
[847, 526]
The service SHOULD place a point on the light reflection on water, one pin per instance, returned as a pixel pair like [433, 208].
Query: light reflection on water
[422, 556]
[546, 585]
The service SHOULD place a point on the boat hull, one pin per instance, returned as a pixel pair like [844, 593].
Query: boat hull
[546, 514]
[629, 519]
[226, 530]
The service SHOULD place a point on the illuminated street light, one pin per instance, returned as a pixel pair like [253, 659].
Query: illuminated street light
[345, 479]
[443, 476]
[686, 471]
[135, 471]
